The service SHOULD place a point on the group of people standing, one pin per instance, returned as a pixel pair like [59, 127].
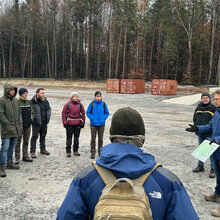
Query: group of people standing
[16, 118]
[73, 117]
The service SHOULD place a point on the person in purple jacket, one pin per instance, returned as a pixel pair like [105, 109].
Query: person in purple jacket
[124, 157]
[73, 117]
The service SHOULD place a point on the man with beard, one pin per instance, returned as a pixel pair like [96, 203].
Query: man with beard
[42, 118]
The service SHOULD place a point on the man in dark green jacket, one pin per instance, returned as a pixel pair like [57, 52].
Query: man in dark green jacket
[11, 127]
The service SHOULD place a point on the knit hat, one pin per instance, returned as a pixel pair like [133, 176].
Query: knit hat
[97, 93]
[73, 93]
[206, 94]
[127, 121]
[22, 91]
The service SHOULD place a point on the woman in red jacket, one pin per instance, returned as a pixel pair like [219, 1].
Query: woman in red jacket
[73, 117]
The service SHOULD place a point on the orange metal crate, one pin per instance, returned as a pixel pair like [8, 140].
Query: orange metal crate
[132, 86]
[113, 86]
[164, 87]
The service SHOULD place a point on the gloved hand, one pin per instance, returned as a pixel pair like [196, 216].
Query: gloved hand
[192, 128]
[212, 141]
[82, 126]
[65, 125]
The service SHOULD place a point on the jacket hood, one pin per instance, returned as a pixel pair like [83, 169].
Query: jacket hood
[96, 101]
[218, 109]
[7, 88]
[126, 160]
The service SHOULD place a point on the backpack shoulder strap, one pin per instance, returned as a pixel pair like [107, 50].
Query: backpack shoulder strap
[141, 180]
[104, 106]
[68, 107]
[107, 176]
[92, 106]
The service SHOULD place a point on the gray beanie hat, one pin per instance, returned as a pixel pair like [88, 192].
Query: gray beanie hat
[206, 94]
[73, 93]
[127, 121]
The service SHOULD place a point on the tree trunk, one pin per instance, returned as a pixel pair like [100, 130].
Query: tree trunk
[151, 53]
[200, 64]
[3, 57]
[214, 21]
[31, 55]
[25, 55]
[48, 55]
[118, 53]
[71, 52]
[125, 44]
[10, 56]
[87, 49]
[63, 60]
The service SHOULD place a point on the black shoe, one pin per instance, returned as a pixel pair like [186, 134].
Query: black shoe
[76, 153]
[199, 169]
[212, 173]
[92, 156]
[11, 165]
[2, 171]
[68, 154]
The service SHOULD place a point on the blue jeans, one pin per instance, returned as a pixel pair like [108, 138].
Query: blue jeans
[200, 163]
[217, 172]
[6, 152]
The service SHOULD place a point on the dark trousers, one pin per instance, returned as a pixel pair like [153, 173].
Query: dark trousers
[36, 130]
[70, 130]
[217, 172]
[94, 131]
[25, 136]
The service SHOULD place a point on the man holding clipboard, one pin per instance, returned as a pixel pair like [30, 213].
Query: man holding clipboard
[214, 127]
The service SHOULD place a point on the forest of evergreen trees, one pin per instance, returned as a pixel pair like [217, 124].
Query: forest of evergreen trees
[100, 39]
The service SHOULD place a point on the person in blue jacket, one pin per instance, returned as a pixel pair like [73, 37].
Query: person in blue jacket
[213, 127]
[97, 112]
[125, 158]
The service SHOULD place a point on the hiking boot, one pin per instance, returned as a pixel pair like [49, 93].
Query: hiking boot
[76, 153]
[33, 155]
[17, 161]
[27, 159]
[11, 165]
[68, 154]
[212, 173]
[216, 212]
[92, 156]
[199, 169]
[45, 152]
[212, 198]
[2, 171]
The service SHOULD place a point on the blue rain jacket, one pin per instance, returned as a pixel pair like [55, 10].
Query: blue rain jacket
[213, 127]
[167, 195]
[99, 114]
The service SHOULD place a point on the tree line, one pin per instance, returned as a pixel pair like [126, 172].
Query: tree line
[100, 39]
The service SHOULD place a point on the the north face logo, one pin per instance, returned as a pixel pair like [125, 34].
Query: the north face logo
[156, 195]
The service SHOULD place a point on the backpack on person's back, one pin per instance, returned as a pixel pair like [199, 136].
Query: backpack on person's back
[122, 200]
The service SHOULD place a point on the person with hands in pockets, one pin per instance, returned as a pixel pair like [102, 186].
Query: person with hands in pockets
[97, 112]
[73, 117]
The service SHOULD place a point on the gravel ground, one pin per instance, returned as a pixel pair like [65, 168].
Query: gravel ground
[37, 189]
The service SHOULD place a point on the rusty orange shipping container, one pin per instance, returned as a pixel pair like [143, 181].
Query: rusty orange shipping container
[113, 85]
[164, 87]
[132, 86]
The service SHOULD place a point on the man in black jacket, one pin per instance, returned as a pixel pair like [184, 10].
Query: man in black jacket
[42, 118]
[203, 114]
[27, 118]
